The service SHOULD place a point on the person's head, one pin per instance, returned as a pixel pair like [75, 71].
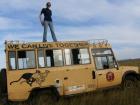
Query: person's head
[48, 5]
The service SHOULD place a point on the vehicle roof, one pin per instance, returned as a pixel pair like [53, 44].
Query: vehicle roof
[22, 45]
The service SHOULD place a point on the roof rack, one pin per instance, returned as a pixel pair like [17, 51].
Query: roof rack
[98, 41]
[16, 42]
[93, 41]
[26, 42]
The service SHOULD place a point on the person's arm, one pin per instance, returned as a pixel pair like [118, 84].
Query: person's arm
[51, 12]
[41, 21]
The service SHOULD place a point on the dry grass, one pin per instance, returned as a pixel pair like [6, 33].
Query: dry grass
[114, 96]
[130, 62]
[111, 97]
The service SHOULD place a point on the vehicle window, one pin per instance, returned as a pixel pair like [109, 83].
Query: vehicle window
[26, 59]
[41, 58]
[101, 63]
[67, 56]
[104, 59]
[54, 58]
[75, 56]
[80, 56]
[12, 60]
[84, 56]
[111, 61]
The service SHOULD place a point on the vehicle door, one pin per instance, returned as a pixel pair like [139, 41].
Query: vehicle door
[107, 72]
[78, 74]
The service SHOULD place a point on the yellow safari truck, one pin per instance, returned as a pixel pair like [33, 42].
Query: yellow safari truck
[68, 68]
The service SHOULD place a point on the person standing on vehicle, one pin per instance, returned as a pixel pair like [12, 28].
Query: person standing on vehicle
[47, 22]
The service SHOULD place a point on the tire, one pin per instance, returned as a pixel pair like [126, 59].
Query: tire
[0, 82]
[35, 95]
[129, 82]
[5, 101]
[3, 87]
[3, 81]
[55, 94]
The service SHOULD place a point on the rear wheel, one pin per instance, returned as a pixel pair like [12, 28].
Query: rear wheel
[55, 94]
[3, 81]
[130, 82]
[51, 93]
[3, 86]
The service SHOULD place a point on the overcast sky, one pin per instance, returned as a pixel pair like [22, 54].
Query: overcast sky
[115, 20]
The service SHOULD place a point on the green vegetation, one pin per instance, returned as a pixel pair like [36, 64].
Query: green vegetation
[115, 96]
[110, 97]
[106, 97]
[130, 62]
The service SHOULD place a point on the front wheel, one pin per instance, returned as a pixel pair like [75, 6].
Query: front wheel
[129, 82]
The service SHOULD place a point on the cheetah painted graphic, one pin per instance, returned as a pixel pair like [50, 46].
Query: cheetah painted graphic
[30, 78]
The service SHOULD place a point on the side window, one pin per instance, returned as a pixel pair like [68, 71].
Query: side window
[26, 59]
[80, 56]
[58, 60]
[54, 58]
[41, 62]
[104, 59]
[111, 62]
[84, 56]
[49, 58]
[101, 63]
[67, 56]
[12, 60]
[75, 56]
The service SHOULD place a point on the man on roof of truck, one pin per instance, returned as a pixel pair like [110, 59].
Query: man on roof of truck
[47, 22]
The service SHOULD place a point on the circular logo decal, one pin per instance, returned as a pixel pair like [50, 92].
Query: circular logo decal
[110, 76]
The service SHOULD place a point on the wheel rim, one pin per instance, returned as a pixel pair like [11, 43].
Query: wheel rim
[129, 84]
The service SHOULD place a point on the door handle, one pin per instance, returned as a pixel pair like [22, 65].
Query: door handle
[65, 78]
[93, 75]
[68, 70]
[99, 74]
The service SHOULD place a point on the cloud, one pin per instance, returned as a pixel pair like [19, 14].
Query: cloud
[111, 32]
[19, 4]
[127, 53]
[88, 9]
[9, 23]
[115, 34]
[78, 11]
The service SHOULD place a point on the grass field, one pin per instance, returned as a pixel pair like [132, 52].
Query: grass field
[115, 96]
[130, 62]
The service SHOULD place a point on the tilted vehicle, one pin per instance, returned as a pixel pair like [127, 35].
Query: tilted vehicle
[69, 68]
